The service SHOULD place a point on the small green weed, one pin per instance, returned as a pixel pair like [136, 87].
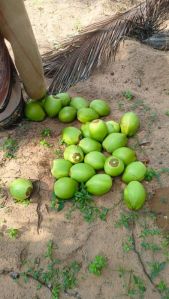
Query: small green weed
[121, 106]
[150, 174]
[133, 284]
[45, 143]
[167, 113]
[139, 104]
[12, 233]
[153, 117]
[128, 95]
[47, 132]
[85, 205]
[54, 201]
[97, 265]
[137, 286]
[56, 292]
[164, 289]
[165, 246]
[10, 146]
[129, 245]
[126, 220]
[61, 142]
[164, 170]
[156, 268]
[55, 277]
[56, 204]
[83, 201]
[59, 153]
[48, 253]
[103, 213]
[150, 232]
[68, 275]
[150, 246]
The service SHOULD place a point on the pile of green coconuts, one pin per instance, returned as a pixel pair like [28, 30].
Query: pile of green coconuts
[95, 153]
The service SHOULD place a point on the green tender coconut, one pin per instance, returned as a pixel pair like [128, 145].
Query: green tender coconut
[114, 141]
[135, 171]
[61, 168]
[85, 115]
[52, 105]
[81, 172]
[98, 130]
[95, 159]
[113, 127]
[21, 189]
[71, 135]
[79, 102]
[101, 107]
[67, 114]
[129, 123]
[113, 166]
[126, 154]
[85, 130]
[134, 195]
[34, 111]
[99, 184]
[89, 145]
[65, 188]
[65, 98]
[74, 154]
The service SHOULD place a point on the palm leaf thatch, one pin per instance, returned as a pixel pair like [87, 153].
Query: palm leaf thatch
[159, 41]
[96, 44]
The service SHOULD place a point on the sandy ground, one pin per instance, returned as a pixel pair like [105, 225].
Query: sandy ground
[139, 69]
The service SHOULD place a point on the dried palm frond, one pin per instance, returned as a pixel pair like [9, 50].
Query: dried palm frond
[159, 41]
[78, 57]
